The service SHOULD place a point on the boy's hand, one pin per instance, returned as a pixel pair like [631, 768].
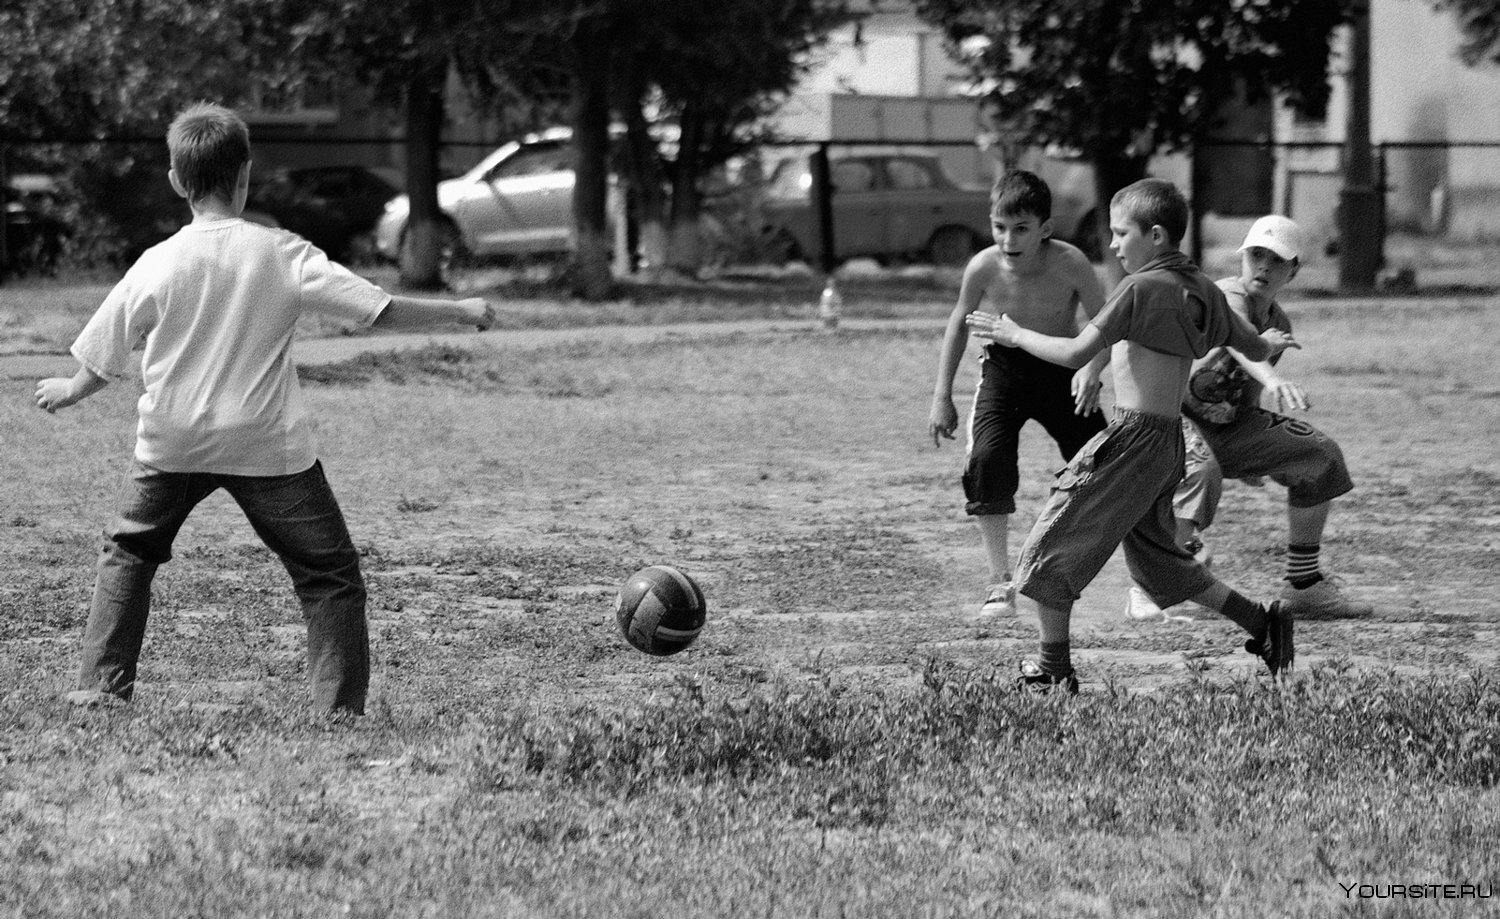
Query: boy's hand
[54, 393]
[999, 329]
[1086, 389]
[943, 421]
[1279, 341]
[1289, 396]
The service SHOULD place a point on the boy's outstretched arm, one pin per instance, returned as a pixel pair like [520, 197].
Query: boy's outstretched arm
[942, 421]
[418, 312]
[54, 393]
[1069, 352]
[1244, 340]
[1288, 395]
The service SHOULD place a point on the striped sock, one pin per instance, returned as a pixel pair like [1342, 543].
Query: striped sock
[1057, 658]
[1244, 612]
[1302, 565]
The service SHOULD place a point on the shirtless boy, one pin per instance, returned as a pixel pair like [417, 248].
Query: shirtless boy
[1043, 284]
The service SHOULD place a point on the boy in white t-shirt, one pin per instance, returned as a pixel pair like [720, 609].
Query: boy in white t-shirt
[216, 305]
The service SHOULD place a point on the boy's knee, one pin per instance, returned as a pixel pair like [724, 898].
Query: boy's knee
[133, 548]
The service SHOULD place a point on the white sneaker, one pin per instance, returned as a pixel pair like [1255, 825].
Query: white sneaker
[1141, 608]
[93, 698]
[999, 600]
[1323, 600]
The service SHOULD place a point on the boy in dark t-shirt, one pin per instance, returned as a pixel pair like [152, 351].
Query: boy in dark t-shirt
[1119, 487]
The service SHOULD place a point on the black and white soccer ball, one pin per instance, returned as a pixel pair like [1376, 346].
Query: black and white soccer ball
[660, 610]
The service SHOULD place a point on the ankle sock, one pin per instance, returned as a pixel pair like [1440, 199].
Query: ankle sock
[1245, 613]
[1302, 565]
[1057, 658]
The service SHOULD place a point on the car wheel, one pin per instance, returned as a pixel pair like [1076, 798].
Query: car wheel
[952, 246]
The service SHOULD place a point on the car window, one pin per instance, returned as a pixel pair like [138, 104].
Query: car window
[790, 179]
[908, 174]
[853, 176]
[532, 162]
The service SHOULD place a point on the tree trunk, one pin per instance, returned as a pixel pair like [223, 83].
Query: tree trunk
[1112, 172]
[422, 249]
[647, 182]
[590, 271]
[686, 248]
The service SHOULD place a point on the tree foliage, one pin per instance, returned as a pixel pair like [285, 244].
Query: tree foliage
[1120, 80]
[708, 73]
[1139, 76]
[96, 67]
[713, 72]
[1480, 22]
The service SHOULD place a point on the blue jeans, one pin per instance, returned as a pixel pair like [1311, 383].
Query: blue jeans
[296, 516]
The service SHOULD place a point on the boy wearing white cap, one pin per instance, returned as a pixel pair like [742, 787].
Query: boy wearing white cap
[1249, 442]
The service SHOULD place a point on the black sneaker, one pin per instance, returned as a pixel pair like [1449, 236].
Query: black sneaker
[1034, 679]
[1274, 643]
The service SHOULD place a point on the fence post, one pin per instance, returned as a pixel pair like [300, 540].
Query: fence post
[822, 195]
[4, 211]
[1359, 204]
[1195, 196]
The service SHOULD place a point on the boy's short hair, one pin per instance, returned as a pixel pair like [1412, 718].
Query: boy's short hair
[1017, 191]
[1154, 203]
[208, 145]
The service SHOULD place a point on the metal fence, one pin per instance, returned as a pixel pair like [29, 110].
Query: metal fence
[112, 198]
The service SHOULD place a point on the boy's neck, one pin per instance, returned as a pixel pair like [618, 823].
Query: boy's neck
[212, 209]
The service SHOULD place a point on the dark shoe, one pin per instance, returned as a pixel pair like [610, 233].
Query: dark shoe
[1274, 643]
[1034, 679]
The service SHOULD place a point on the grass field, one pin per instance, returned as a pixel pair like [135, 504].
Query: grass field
[842, 740]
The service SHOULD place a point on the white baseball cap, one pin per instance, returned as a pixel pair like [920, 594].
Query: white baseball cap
[1279, 234]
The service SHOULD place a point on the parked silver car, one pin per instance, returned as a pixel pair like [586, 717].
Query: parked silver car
[516, 201]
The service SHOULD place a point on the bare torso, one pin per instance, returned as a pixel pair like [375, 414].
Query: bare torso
[1041, 295]
[1148, 381]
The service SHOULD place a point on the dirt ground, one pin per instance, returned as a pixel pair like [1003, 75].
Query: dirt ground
[1418, 538]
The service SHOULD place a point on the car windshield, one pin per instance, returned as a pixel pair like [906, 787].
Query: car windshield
[534, 161]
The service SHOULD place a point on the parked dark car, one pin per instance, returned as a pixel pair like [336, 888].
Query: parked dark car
[34, 231]
[334, 207]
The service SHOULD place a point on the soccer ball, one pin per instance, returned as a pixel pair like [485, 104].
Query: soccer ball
[660, 610]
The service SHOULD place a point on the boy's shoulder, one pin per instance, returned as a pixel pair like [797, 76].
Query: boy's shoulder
[1064, 257]
[1180, 276]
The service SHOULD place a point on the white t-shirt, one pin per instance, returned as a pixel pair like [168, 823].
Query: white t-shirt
[217, 304]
